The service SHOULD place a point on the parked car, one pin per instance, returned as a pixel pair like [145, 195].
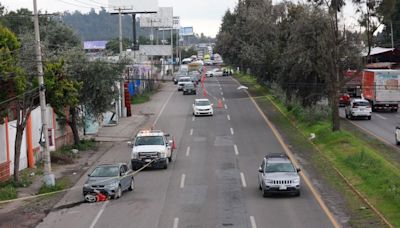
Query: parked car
[189, 88]
[109, 179]
[202, 107]
[344, 100]
[358, 108]
[182, 81]
[277, 174]
[151, 146]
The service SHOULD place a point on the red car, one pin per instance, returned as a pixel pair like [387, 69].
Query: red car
[344, 100]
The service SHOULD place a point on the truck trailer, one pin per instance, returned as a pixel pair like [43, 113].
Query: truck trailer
[382, 89]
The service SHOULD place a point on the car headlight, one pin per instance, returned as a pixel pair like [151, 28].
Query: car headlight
[297, 180]
[268, 181]
[134, 155]
[163, 154]
[86, 185]
[112, 185]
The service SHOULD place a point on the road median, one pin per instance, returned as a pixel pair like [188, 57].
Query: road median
[369, 176]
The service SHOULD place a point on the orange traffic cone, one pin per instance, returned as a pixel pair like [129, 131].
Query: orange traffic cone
[219, 103]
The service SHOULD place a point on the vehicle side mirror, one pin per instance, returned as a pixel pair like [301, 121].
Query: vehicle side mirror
[130, 144]
[167, 135]
[88, 175]
[298, 170]
[260, 169]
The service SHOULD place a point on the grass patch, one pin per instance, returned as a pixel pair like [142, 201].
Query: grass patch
[7, 191]
[357, 159]
[142, 98]
[61, 184]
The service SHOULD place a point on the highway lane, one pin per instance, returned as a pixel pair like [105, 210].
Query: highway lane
[209, 183]
[382, 125]
[254, 139]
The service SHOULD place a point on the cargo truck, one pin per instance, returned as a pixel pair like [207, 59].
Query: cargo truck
[382, 89]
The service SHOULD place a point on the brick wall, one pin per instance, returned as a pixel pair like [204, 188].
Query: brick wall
[4, 171]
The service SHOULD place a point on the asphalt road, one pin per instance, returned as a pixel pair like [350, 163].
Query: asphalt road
[212, 181]
[382, 125]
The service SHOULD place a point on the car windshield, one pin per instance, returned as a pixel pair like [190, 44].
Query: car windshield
[202, 103]
[149, 140]
[105, 171]
[361, 103]
[279, 167]
[184, 80]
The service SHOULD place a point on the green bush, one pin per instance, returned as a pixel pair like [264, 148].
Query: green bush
[7, 191]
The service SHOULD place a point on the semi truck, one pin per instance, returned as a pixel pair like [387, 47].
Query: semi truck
[381, 88]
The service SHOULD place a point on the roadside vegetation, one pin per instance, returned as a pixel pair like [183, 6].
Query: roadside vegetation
[143, 97]
[61, 184]
[66, 155]
[361, 164]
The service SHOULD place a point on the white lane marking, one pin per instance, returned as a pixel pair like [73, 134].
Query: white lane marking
[236, 149]
[193, 118]
[162, 110]
[183, 181]
[188, 151]
[226, 107]
[243, 180]
[380, 116]
[98, 214]
[222, 93]
[223, 99]
[176, 222]
[229, 117]
[191, 131]
[232, 132]
[253, 222]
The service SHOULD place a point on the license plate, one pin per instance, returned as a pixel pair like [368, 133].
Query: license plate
[147, 160]
[282, 187]
[362, 109]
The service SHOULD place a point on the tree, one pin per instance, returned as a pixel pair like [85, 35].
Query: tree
[24, 88]
[113, 45]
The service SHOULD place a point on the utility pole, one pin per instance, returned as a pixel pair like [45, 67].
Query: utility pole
[391, 32]
[122, 87]
[49, 179]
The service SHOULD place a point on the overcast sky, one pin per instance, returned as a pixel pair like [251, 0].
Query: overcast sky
[204, 15]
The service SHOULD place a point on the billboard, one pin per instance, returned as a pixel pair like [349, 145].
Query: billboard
[163, 18]
[133, 6]
[176, 23]
[186, 31]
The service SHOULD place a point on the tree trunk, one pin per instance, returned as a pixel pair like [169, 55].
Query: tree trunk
[74, 126]
[335, 109]
[17, 147]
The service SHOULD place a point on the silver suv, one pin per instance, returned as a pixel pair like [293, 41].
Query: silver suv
[277, 174]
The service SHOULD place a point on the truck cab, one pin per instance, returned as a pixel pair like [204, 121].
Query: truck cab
[153, 147]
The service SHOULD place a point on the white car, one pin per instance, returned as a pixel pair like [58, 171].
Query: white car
[214, 72]
[202, 107]
[182, 81]
[397, 135]
[358, 108]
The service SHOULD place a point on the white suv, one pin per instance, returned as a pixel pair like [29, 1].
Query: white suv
[151, 146]
[202, 107]
[358, 108]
